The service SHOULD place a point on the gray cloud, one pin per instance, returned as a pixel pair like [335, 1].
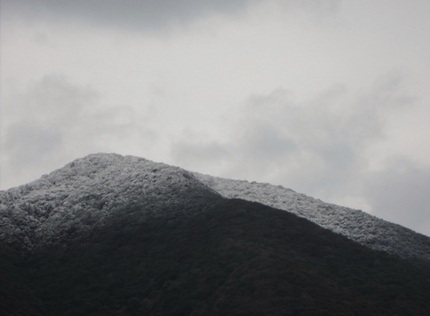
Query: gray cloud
[41, 119]
[315, 129]
[265, 142]
[199, 153]
[151, 15]
[27, 140]
[318, 147]
[400, 193]
[40, 125]
[131, 14]
[55, 121]
[54, 99]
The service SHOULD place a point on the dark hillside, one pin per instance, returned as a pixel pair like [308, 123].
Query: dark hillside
[237, 258]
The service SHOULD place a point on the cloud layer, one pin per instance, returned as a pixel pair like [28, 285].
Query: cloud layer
[322, 147]
[329, 98]
[135, 15]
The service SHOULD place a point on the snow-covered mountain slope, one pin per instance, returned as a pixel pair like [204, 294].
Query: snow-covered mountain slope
[359, 226]
[90, 192]
[100, 188]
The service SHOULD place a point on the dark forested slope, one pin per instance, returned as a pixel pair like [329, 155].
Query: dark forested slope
[236, 258]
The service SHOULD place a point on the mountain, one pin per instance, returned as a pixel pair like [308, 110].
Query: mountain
[356, 225]
[114, 235]
[92, 191]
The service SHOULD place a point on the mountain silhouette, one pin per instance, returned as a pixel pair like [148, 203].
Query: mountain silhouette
[115, 235]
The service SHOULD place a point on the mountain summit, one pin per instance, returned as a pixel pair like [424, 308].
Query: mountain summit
[90, 191]
[121, 235]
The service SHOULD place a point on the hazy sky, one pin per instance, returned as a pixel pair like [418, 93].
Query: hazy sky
[328, 98]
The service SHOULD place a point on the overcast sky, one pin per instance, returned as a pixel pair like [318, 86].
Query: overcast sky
[328, 98]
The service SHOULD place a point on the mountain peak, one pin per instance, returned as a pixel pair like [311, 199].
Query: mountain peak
[92, 190]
